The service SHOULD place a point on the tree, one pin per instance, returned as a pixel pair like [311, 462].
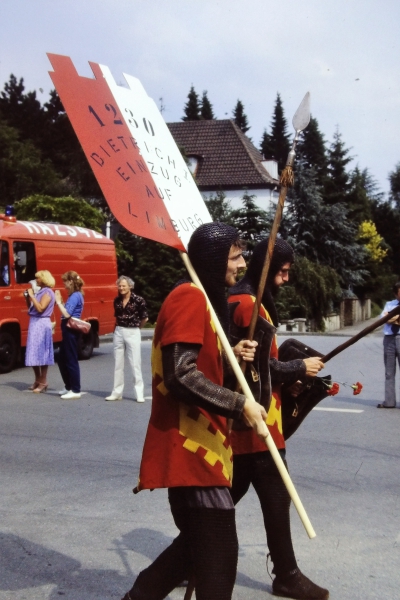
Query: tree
[320, 232]
[312, 292]
[267, 147]
[277, 144]
[206, 112]
[23, 170]
[240, 118]
[22, 111]
[66, 210]
[387, 221]
[394, 179]
[250, 221]
[220, 208]
[192, 107]
[372, 241]
[357, 200]
[312, 150]
[338, 181]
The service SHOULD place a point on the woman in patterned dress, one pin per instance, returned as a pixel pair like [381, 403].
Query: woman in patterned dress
[39, 347]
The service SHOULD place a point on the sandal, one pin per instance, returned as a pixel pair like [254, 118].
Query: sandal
[42, 387]
[33, 386]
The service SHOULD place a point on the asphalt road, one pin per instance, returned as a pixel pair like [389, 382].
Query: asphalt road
[71, 527]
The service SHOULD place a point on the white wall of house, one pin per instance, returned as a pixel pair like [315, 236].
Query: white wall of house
[265, 199]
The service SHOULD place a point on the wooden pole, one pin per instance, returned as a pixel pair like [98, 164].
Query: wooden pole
[361, 334]
[247, 392]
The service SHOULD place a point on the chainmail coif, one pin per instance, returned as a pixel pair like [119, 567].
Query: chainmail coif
[208, 251]
[283, 253]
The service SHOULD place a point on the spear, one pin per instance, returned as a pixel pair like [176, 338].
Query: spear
[300, 121]
[395, 311]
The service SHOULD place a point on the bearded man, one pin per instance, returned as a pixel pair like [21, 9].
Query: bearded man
[252, 462]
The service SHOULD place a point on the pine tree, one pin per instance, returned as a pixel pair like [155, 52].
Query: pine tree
[387, 221]
[192, 107]
[311, 149]
[267, 146]
[323, 233]
[277, 143]
[23, 169]
[22, 111]
[250, 220]
[394, 179]
[220, 208]
[357, 200]
[337, 183]
[206, 112]
[240, 118]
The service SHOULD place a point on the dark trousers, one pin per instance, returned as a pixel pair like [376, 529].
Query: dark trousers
[68, 358]
[260, 470]
[207, 548]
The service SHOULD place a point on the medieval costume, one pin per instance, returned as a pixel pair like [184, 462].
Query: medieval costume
[187, 447]
[252, 461]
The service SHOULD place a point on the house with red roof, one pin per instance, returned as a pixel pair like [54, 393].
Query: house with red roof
[223, 159]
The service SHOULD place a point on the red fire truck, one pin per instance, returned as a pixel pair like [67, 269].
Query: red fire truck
[27, 247]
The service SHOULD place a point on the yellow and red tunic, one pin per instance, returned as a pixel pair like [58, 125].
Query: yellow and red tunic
[246, 441]
[185, 445]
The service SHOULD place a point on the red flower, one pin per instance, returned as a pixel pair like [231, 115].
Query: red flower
[357, 387]
[333, 389]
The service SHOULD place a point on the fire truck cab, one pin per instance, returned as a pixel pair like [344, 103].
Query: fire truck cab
[27, 247]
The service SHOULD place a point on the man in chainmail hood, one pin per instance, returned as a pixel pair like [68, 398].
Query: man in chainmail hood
[252, 462]
[282, 255]
[187, 447]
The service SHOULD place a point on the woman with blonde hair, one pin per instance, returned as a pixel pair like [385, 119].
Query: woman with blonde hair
[68, 356]
[39, 347]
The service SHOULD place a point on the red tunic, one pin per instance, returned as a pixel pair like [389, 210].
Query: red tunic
[185, 445]
[246, 441]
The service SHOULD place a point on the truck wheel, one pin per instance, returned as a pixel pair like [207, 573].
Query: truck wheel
[86, 345]
[8, 352]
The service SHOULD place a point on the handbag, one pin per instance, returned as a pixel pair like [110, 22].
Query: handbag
[78, 325]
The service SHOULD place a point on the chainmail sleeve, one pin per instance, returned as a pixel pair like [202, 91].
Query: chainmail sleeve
[189, 385]
[287, 372]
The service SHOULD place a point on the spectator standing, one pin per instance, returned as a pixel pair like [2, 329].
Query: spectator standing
[391, 349]
[39, 346]
[68, 356]
[131, 315]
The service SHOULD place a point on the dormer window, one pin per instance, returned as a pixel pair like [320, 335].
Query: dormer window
[193, 163]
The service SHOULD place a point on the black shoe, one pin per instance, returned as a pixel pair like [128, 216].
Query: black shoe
[299, 587]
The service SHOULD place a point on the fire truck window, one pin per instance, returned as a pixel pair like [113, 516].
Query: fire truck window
[4, 265]
[24, 261]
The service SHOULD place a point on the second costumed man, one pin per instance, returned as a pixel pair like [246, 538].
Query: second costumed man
[252, 461]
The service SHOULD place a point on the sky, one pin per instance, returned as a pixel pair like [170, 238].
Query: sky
[345, 53]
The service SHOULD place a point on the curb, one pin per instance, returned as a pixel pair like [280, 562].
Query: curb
[147, 334]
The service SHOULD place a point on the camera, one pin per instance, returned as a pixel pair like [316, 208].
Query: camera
[26, 293]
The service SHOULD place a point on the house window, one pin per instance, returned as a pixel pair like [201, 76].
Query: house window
[24, 261]
[193, 163]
